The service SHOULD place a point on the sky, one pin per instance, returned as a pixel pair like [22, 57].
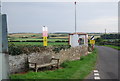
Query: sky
[60, 16]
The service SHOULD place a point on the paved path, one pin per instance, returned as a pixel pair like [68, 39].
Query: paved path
[107, 63]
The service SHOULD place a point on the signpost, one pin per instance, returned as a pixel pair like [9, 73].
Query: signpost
[92, 42]
[45, 35]
[45, 41]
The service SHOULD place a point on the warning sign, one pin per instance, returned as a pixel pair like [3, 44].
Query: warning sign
[44, 41]
[92, 41]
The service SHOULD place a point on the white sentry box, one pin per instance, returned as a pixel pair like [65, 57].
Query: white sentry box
[74, 40]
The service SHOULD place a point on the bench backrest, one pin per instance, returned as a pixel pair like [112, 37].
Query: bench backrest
[47, 59]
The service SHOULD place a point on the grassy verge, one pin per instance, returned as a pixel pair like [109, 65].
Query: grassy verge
[115, 47]
[78, 69]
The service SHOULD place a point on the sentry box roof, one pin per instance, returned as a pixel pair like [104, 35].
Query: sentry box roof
[78, 33]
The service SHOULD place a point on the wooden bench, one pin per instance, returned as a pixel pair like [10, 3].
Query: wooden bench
[44, 61]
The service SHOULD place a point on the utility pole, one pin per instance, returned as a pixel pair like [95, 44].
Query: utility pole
[105, 36]
[75, 17]
[0, 6]
[105, 33]
[4, 56]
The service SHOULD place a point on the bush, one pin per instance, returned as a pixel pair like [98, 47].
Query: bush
[60, 47]
[99, 41]
[65, 64]
[14, 50]
[21, 49]
[27, 49]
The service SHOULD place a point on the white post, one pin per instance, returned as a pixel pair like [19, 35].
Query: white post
[4, 65]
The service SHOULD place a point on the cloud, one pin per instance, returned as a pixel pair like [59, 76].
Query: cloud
[60, 0]
[99, 24]
[104, 21]
[60, 16]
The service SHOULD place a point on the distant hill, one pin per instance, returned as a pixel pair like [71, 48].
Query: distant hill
[61, 32]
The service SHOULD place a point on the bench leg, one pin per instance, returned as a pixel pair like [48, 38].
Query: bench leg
[57, 66]
[36, 69]
[52, 67]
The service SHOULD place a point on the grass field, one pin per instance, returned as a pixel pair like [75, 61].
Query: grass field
[115, 47]
[78, 69]
[53, 39]
[37, 43]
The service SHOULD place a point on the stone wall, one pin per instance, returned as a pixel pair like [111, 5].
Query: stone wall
[18, 63]
[72, 53]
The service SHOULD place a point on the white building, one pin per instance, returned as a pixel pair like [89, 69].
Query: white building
[77, 39]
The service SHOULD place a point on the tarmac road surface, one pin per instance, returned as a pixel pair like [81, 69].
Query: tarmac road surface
[107, 63]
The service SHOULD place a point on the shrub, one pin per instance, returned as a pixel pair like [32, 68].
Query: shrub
[14, 50]
[27, 49]
[60, 47]
[21, 49]
[65, 64]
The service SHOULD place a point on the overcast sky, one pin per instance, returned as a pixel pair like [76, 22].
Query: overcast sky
[59, 16]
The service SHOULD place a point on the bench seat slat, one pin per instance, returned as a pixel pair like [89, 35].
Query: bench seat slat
[47, 64]
[43, 65]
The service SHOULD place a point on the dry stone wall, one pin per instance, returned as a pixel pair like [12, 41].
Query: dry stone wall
[18, 63]
[73, 53]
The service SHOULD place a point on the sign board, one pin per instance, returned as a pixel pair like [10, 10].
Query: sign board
[44, 41]
[92, 41]
[45, 28]
[45, 35]
[92, 38]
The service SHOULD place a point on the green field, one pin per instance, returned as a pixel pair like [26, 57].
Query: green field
[115, 47]
[78, 69]
[111, 39]
[37, 43]
[26, 39]
[32, 39]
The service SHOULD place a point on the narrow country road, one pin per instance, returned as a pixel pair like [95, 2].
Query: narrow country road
[107, 63]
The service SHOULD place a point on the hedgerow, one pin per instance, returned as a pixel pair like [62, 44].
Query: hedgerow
[14, 49]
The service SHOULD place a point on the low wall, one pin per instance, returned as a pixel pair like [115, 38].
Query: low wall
[18, 63]
[73, 53]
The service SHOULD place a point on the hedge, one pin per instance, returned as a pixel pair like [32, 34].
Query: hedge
[27, 49]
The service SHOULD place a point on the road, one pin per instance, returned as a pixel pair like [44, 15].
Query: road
[107, 63]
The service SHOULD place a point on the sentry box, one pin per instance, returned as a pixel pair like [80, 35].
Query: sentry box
[77, 39]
